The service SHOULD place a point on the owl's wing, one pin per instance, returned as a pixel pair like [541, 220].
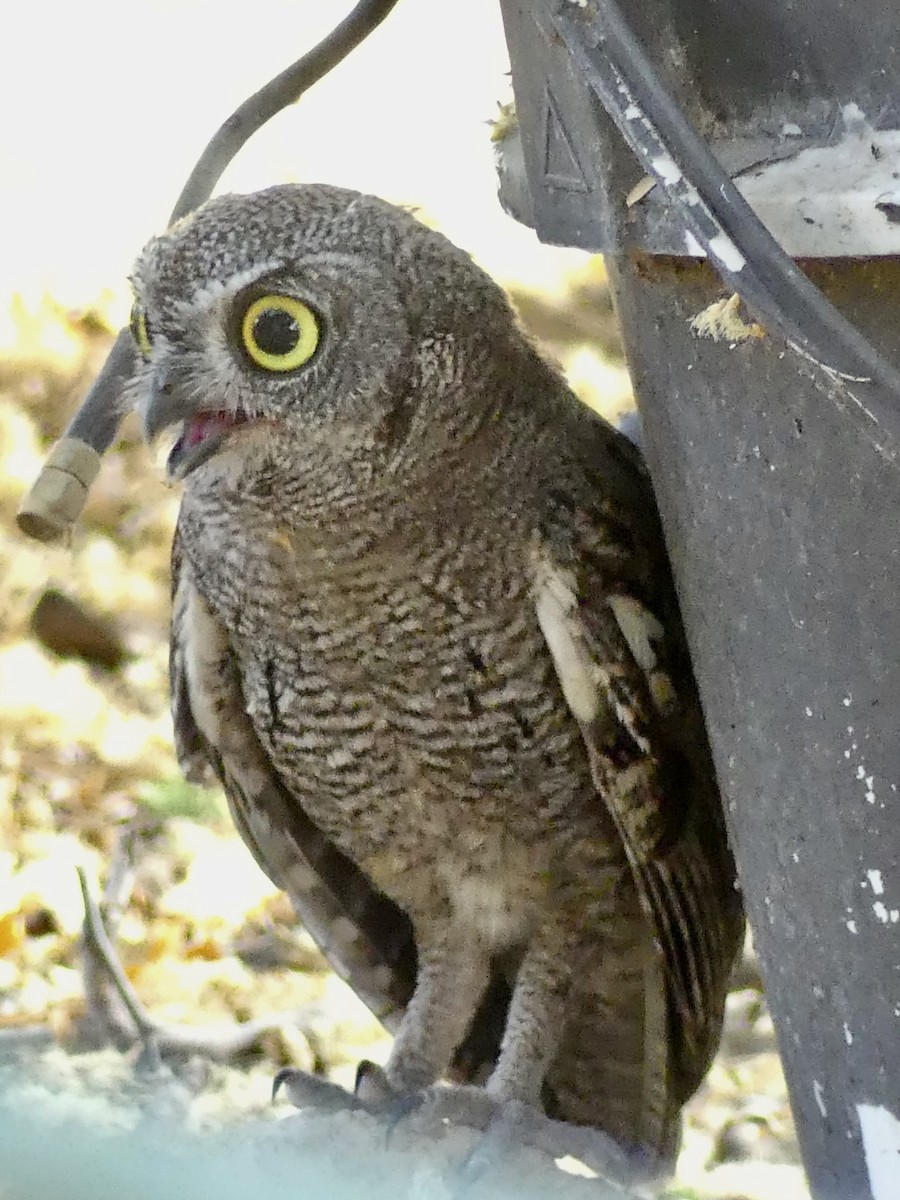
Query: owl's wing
[607, 608]
[366, 938]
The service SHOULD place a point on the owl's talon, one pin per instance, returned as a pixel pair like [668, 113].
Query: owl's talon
[434, 1107]
[379, 1097]
[372, 1087]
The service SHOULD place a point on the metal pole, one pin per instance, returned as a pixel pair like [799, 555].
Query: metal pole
[779, 488]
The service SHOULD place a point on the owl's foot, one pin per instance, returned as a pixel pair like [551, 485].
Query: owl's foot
[514, 1124]
[373, 1094]
[505, 1126]
[312, 1091]
[433, 1106]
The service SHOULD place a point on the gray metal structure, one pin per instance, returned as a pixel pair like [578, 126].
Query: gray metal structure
[778, 484]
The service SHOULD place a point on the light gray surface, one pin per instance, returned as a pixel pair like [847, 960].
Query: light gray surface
[83, 1146]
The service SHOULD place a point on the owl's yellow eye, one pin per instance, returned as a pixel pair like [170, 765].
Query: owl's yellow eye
[139, 330]
[279, 333]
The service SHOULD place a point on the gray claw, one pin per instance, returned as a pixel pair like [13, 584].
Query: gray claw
[379, 1097]
[372, 1088]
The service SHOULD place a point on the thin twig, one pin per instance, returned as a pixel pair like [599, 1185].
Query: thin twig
[277, 94]
[97, 940]
[101, 1011]
[101, 1014]
[220, 1042]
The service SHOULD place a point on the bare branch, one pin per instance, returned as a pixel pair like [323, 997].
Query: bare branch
[277, 94]
[97, 943]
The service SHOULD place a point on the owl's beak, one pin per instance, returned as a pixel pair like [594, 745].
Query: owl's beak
[203, 430]
[167, 403]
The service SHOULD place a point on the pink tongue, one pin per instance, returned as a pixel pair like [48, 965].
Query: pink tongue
[207, 424]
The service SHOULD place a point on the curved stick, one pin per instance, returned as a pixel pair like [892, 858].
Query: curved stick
[277, 94]
[55, 500]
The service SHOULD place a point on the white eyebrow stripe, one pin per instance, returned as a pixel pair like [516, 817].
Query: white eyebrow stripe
[218, 289]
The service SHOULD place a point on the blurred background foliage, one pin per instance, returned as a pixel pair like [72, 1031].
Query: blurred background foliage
[96, 143]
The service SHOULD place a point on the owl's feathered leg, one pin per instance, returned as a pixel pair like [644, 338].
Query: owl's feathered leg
[508, 1109]
[453, 973]
[452, 976]
[534, 1029]
[536, 1019]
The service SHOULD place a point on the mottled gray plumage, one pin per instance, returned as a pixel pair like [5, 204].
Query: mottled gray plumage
[425, 633]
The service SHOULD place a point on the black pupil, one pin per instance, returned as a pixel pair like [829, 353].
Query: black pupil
[276, 331]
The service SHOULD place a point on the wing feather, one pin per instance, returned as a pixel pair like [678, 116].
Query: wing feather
[643, 728]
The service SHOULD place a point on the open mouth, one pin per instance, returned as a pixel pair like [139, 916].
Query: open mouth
[201, 436]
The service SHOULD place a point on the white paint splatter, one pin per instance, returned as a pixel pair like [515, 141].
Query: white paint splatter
[848, 1035]
[693, 246]
[819, 1092]
[727, 253]
[851, 925]
[847, 701]
[808, 711]
[876, 880]
[880, 1131]
[880, 912]
[631, 112]
[666, 168]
